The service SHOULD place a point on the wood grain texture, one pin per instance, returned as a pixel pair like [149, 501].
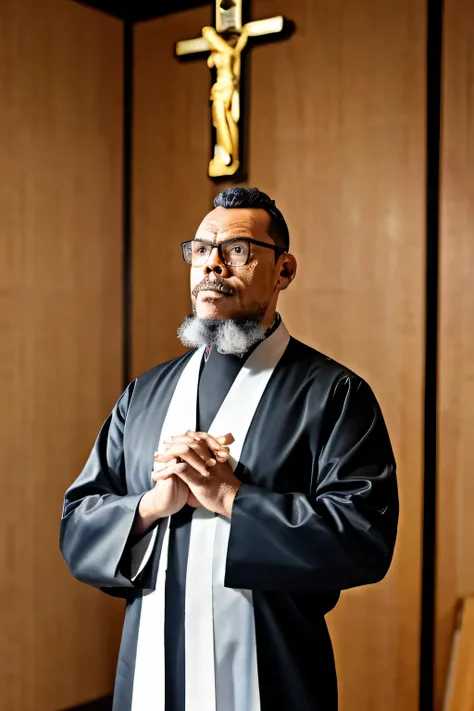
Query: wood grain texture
[460, 688]
[337, 137]
[60, 345]
[171, 193]
[455, 552]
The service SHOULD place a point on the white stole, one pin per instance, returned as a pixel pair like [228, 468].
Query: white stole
[220, 649]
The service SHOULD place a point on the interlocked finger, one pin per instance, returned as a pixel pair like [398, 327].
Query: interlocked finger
[221, 440]
[162, 470]
[202, 447]
[202, 451]
[187, 454]
[182, 470]
[219, 445]
[169, 470]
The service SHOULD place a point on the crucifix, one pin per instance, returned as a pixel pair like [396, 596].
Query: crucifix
[224, 44]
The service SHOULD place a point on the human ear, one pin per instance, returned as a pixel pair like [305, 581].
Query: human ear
[287, 271]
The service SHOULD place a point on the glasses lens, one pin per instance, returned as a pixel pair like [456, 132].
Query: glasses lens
[197, 253]
[236, 252]
[187, 252]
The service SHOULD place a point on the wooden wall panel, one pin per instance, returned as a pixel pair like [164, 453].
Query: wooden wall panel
[455, 550]
[60, 344]
[337, 136]
[171, 194]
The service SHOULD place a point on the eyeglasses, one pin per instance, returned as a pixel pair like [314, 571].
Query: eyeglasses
[233, 252]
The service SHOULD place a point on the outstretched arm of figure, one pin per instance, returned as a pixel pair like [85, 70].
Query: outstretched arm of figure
[242, 41]
[217, 42]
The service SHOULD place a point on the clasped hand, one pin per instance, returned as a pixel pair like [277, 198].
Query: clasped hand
[193, 469]
[200, 462]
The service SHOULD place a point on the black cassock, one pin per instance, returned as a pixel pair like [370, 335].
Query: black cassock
[317, 513]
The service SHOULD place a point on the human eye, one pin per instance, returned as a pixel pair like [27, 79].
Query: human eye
[239, 248]
[200, 248]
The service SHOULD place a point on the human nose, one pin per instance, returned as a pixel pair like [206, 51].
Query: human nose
[215, 264]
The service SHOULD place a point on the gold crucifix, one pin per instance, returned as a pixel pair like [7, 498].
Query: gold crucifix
[224, 44]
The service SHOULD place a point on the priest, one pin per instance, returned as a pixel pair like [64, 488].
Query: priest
[234, 491]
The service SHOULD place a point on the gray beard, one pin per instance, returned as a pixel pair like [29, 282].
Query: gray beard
[226, 336]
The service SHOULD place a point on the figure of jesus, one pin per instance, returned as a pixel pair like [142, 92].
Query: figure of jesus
[225, 56]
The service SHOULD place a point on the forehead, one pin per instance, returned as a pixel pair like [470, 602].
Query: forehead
[223, 223]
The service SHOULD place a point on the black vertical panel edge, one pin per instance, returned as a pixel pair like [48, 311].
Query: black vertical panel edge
[127, 197]
[433, 138]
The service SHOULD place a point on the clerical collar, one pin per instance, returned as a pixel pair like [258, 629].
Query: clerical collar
[272, 329]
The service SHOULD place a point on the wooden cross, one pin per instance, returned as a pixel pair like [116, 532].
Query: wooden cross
[225, 44]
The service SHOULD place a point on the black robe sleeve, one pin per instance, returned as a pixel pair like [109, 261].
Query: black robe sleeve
[339, 534]
[98, 513]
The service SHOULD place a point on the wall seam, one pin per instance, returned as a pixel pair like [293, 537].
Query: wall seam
[127, 199]
[433, 137]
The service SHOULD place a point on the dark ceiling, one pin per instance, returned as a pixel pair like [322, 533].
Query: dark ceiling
[138, 10]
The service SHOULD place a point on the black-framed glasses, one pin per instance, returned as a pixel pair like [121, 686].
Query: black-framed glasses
[234, 252]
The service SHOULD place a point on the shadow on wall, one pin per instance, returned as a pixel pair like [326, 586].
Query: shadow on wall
[103, 704]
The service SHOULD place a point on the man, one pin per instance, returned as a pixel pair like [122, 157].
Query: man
[273, 488]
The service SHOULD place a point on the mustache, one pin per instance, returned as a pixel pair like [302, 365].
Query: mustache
[215, 284]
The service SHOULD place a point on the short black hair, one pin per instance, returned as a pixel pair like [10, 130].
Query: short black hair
[254, 198]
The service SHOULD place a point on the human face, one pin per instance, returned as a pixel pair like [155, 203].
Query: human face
[250, 291]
